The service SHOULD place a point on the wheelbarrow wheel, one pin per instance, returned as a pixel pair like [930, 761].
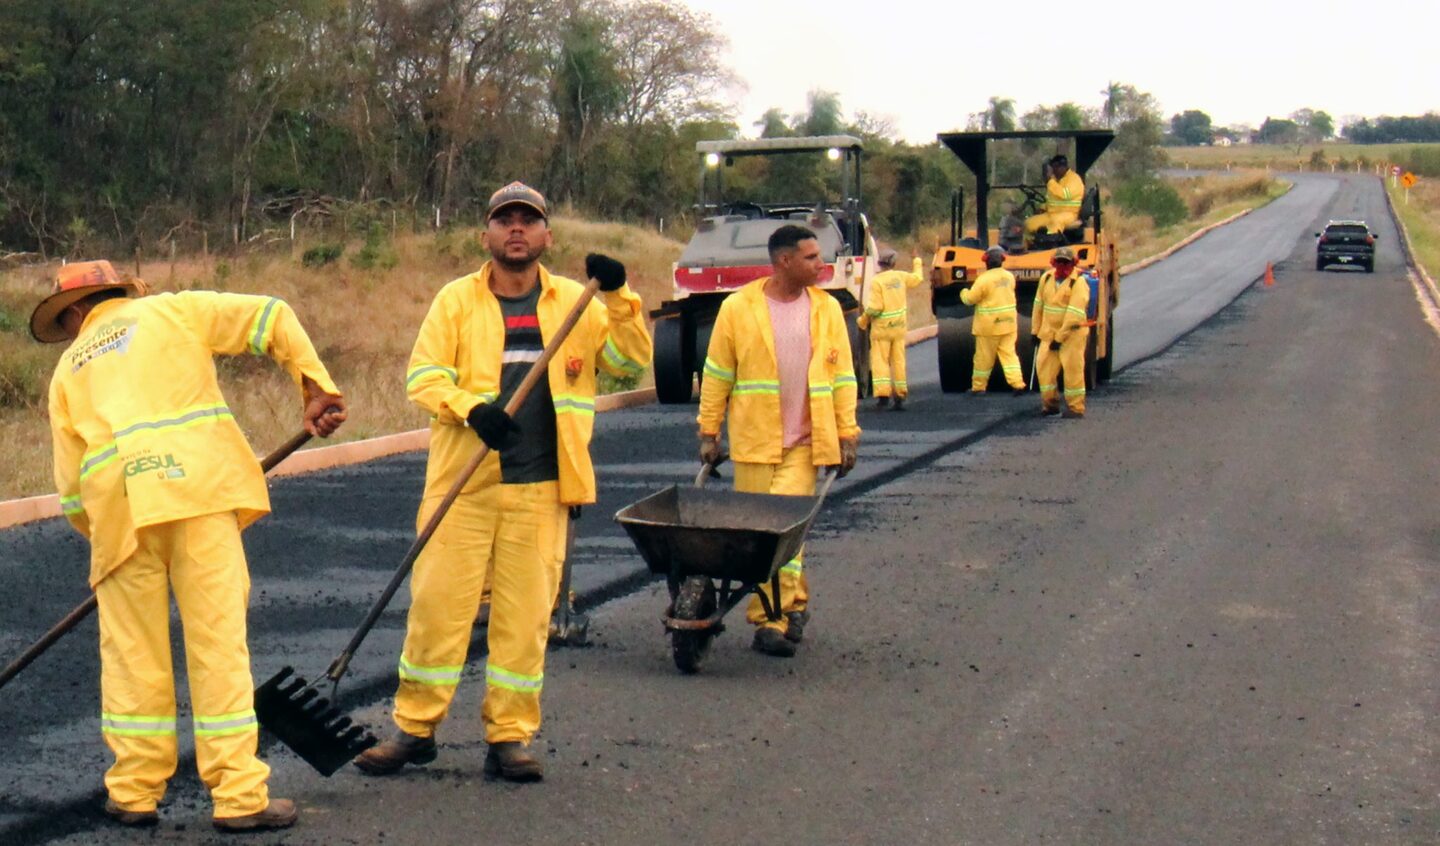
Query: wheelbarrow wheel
[695, 601]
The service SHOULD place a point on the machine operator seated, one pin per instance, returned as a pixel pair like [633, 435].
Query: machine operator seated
[1063, 195]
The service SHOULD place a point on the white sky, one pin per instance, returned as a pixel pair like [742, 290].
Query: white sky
[927, 64]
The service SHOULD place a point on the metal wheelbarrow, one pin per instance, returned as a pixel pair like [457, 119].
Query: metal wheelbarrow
[714, 548]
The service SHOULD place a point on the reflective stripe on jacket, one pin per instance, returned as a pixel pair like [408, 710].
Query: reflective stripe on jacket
[993, 295]
[741, 373]
[1060, 307]
[142, 434]
[1064, 194]
[886, 300]
[455, 366]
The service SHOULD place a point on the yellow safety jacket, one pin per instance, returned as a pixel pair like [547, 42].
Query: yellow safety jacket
[142, 434]
[1060, 307]
[741, 371]
[993, 295]
[1064, 195]
[886, 301]
[455, 366]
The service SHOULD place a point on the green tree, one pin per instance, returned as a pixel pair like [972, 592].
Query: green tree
[1192, 128]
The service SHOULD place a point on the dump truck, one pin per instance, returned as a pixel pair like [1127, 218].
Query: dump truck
[729, 249]
[956, 264]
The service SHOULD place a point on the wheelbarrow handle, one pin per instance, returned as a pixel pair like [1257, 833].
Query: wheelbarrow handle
[533, 376]
[710, 469]
[84, 609]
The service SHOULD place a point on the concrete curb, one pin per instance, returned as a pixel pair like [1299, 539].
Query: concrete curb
[1409, 246]
[20, 511]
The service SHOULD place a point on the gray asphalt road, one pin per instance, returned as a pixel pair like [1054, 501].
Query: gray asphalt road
[949, 695]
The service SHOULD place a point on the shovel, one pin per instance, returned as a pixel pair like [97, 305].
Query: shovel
[567, 626]
[84, 609]
[291, 708]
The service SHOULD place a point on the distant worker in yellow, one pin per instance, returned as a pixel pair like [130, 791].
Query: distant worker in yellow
[1061, 326]
[995, 325]
[885, 315]
[779, 359]
[153, 469]
[478, 341]
[1063, 195]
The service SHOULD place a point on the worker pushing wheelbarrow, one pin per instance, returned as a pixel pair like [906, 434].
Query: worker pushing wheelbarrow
[716, 547]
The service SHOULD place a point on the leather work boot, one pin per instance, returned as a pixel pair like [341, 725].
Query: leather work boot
[280, 813]
[132, 819]
[1018, 392]
[796, 620]
[510, 760]
[899, 404]
[1049, 410]
[882, 402]
[772, 641]
[389, 756]
[1072, 415]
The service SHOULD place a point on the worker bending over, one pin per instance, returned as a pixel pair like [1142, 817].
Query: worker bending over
[779, 359]
[885, 314]
[477, 343]
[1063, 194]
[153, 469]
[995, 325]
[1061, 326]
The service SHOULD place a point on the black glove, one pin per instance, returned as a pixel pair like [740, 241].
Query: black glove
[1055, 345]
[497, 429]
[605, 270]
[1035, 341]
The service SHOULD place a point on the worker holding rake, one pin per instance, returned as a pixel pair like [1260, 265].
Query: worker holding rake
[481, 336]
[153, 470]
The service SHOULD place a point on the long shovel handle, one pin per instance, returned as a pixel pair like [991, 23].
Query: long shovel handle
[84, 609]
[532, 378]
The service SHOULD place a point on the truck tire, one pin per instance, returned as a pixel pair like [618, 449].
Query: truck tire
[1105, 367]
[1091, 372]
[1024, 349]
[674, 365]
[955, 352]
[859, 353]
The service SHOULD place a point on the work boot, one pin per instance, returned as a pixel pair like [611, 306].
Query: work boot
[899, 404]
[882, 402]
[1049, 410]
[132, 819]
[772, 641]
[795, 625]
[1018, 392]
[972, 394]
[510, 760]
[1072, 415]
[280, 813]
[389, 756]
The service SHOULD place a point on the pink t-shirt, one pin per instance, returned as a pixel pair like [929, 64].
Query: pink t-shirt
[790, 323]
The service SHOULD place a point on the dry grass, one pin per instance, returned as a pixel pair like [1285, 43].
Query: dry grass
[1288, 157]
[362, 321]
[1422, 220]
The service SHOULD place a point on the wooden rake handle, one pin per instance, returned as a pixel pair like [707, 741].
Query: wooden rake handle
[536, 372]
[84, 609]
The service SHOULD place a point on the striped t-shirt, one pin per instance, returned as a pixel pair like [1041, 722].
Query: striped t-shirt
[535, 458]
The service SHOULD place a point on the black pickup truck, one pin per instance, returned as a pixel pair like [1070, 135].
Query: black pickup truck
[1347, 242]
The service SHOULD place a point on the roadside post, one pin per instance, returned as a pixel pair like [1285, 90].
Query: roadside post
[1408, 180]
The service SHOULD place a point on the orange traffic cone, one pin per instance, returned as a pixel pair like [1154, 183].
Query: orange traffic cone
[1269, 274]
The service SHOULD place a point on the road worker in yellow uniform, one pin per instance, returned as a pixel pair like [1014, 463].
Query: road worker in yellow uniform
[153, 469]
[481, 336]
[779, 358]
[885, 315]
[995, 325]
[1063, 194]
[1061, 306]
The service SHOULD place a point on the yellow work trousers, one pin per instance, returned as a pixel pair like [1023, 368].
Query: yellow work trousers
[202, 560]
[1071, 360]
[515, 536]
[793, 476]
[1054, 221]
[987, 349]
[887, 365]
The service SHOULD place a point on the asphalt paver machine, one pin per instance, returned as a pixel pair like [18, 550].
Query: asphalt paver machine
[1028, 256]
[729, 250]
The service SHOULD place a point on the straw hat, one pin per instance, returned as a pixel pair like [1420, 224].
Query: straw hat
[75, 282]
